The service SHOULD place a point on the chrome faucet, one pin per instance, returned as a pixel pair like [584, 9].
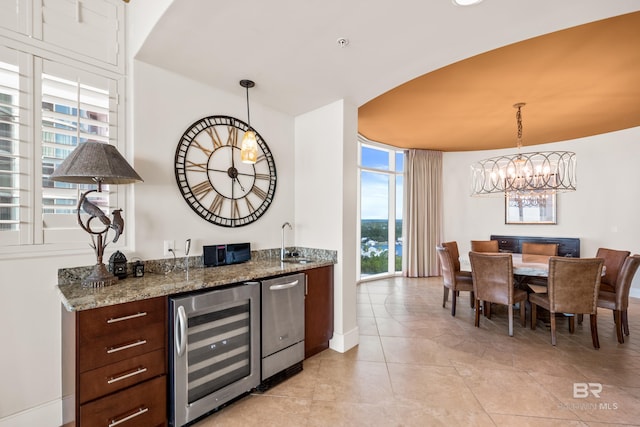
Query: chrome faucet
[282, 253]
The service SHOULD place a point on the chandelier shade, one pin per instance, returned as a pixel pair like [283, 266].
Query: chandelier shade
[522, 174]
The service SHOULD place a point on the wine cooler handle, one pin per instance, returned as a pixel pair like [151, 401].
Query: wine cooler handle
[181, 331]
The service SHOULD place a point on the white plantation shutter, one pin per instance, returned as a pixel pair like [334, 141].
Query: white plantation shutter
[61, 69]
[10, 167]
[76, 107]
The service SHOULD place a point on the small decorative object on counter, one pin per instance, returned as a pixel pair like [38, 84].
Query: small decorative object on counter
[138, 269]
[118, 265]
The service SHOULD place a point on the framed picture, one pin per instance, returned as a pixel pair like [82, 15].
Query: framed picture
[535, 208]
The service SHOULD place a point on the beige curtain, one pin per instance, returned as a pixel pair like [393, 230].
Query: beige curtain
[423, 207]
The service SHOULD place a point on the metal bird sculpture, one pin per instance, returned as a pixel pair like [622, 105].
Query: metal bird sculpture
[117, 224]
[94, 211]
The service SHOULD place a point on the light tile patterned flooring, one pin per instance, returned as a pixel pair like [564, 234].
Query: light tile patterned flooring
[416, 365]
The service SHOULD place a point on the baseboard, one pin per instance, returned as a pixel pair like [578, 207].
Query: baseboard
[345, 342]
[46, 415]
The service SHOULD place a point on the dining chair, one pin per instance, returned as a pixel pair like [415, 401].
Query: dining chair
[573, 288]
[550, 249]
[451, 280]
[618, 301]
[484, 246]
[613, 260]
[492, 275]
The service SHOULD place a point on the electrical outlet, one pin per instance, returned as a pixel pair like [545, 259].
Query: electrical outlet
[169, 245]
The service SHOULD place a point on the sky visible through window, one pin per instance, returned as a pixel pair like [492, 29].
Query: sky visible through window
[375, 186]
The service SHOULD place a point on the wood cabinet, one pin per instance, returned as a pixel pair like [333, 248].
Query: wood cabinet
[119, 374]
[318, 305]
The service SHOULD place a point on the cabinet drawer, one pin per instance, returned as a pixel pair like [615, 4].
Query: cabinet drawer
[115, 319]
[105, 350]
[108, 379]
[143, 405]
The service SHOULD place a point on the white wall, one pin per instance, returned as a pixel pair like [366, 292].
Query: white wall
[603, 212]
[325, 205]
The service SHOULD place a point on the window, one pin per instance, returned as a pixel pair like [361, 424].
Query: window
[381, 168]
[49, 104]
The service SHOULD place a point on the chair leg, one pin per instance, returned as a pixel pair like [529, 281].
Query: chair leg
[472, 299]
[625, 322]
[477, 319]
[488, 306]
[454, 298]
[510, 320]
[580, 316]
[553, 327]
[533, 316]
[617, 315]
[523, 318]
[445, 297]
[572, 324]
[485, 308]
[594, 330]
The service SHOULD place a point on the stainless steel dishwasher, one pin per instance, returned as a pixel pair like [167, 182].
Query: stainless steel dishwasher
[282, 327]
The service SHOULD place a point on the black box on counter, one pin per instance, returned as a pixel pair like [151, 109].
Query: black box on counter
[231, 253]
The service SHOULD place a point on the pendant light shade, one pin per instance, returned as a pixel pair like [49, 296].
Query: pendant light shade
[249, 147]
[524, 174]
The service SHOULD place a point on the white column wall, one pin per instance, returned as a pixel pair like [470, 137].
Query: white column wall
[603, 212]
[325, 205]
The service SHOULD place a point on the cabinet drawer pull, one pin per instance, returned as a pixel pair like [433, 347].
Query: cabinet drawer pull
[127, 375]
[126, 346]
[140, 411]
[131, 316]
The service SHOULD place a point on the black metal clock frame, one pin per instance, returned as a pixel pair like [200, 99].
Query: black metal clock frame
[213, 181]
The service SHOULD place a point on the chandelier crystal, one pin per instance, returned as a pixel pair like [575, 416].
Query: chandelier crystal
[524, 173]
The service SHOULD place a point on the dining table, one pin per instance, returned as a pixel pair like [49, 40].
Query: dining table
[524, 265]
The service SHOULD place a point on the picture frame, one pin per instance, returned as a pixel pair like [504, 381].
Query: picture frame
[530, 208]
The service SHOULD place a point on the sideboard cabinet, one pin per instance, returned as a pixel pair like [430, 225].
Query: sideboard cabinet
[115, 364]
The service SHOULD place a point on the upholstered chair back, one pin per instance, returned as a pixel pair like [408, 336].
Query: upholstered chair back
[574, 284]
[484, 246]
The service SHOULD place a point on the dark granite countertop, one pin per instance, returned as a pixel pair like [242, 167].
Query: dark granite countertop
[75, 297]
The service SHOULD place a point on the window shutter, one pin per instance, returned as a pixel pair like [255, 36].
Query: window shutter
[76, 107]
[10, 167]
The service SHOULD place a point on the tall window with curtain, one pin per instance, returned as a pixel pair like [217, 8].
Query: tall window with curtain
[381, 213]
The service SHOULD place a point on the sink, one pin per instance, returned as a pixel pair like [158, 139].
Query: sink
[298, 260]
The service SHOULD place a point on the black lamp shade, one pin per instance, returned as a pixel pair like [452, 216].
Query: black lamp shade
[93, 162]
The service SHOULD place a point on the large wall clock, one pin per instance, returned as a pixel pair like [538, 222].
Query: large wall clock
[213, 180]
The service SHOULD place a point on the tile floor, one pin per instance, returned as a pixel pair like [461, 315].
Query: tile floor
[416, 365]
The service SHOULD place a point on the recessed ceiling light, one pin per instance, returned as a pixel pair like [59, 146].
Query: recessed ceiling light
[466, 2]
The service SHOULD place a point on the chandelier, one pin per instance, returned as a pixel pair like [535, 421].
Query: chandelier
[524, 173]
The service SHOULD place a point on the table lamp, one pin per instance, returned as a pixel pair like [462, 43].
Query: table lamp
[97, 163]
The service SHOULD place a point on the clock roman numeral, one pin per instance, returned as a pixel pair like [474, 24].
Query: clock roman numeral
[249, 205]
[235, 209]
[233, 136]
[216, 205]
[215, 138]
[202, 189]
[197, 167]
[259, 192]
[204, 150]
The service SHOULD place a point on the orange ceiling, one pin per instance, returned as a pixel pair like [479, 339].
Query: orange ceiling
[577, 82]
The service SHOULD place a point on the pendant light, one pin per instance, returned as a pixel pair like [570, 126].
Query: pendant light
[524, 174]
[249, 147]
